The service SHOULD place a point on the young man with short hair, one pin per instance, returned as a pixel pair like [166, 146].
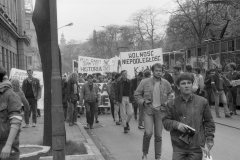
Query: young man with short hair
[188, 118]
[32, 90]
[90, 97]
[152, 94]
[125, 99]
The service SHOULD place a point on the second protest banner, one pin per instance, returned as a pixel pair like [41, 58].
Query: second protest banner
[137, 61]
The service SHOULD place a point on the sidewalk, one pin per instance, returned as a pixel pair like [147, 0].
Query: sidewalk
[75, 133]
[233, 122]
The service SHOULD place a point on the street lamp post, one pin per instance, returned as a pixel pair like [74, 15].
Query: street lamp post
[67, 25]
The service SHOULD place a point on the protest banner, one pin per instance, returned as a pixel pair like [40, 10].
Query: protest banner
[22, 74]
[137, 61]
[103, 97]
[92, 65]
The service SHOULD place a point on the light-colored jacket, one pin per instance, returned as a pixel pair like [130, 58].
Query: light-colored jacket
[144, 91]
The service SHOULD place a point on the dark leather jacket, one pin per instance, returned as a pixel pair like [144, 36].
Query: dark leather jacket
[35, 87]
[194, 112]
[120, 88]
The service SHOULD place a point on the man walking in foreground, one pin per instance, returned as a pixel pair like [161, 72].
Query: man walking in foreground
[125, 98]
[32, 90]
[152, 94]
[90, 97]
[10, 120]
[188, 118]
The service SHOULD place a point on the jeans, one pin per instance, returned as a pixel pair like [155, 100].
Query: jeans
[33, 109]
[117, 112]
[72, 112]
[141, 115]
[90, 112]
[220, 95]
[152, 118]
[135, 109]
[126, 110]
[187, 156]
[233, 92]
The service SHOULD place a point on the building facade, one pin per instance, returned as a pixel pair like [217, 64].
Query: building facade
[33, 59]
[13, 38]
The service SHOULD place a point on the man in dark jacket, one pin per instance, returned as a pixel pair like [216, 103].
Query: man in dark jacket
[219, 85]
[233, 75]
[90, 97]
[189, 129]
[32, 90]
[10, 120]
[125, 98]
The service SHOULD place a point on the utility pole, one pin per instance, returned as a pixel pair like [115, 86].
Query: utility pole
[45, 21]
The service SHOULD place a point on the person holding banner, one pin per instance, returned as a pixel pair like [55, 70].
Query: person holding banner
[152, 94]
[125, 99]
[90, 97]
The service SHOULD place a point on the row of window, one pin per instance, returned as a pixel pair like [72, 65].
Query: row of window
[10, 7]
[215, 47]
[8, 59]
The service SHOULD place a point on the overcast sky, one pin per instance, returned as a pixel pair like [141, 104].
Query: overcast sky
[91, 14]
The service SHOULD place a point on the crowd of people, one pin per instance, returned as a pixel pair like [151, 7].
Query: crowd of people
[151, 97]
[177, 101]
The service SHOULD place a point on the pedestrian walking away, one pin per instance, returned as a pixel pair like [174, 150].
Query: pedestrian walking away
[10, 120]
[189, 130]
[90, 97]
[73, 98]
[152, 94]
[125, 99]
[32, 90]
[22, 98]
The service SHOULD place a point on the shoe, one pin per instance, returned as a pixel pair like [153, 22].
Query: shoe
[135, 117]
[91, 127]
[70, 124]
[231, 113]
[218, 116]
[87, 126]
[128, 127]
[97, 121]
[34, 125]
[26, 126]
[118, 123]
[227, 116]
[144, 157]
[125, 130]
[140, 127]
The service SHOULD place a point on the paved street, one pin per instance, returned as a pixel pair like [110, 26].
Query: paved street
[119, 146]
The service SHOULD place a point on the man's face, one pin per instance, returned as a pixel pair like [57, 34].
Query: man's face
[124, 75]
[185, 87]
[90, 80]
[30, 73]
[157, 72]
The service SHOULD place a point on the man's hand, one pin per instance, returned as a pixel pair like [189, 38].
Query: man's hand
[182, 127]
[209, 145]
[5, 153]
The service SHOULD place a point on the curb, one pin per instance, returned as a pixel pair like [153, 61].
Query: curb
[90, 143]
[227, 125]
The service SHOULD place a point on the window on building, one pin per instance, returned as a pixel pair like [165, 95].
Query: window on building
[238, 44]
[7, 61]
[211, 48]
[29, 61]
[204, 50]
[188, 53]
[1, 62]
[231, 45]
[27, 24]
[216, 47]
[14, 61]
[11, 60]
[3, 57]
[224, 47]
[199, 51]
